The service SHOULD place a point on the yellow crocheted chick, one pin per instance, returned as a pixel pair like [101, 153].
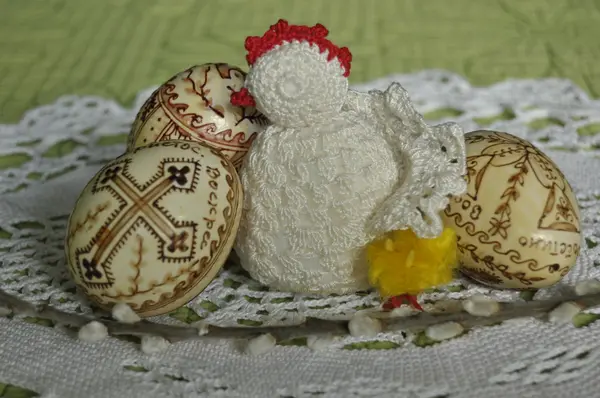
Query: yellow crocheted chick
[401, 264]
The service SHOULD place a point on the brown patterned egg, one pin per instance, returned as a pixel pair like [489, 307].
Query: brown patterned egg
[518, 224]
[195, 105]
[154, 226]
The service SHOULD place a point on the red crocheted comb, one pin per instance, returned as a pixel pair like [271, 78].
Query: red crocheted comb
[283, 32]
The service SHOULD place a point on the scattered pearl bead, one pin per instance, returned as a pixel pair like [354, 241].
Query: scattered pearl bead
[319, 343]
[202, 328]
[261, 344]
[154, 344]
[93, 332]
[402, 312]
[444, 331]
[564, 313]
[479, 305]
[364, 326]
[123, 313]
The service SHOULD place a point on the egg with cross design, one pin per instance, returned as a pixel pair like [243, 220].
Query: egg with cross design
[518, 225]
[154, 226]
[195, 105]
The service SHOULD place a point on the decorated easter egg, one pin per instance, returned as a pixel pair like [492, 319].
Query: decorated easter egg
[194, 105]
[154, 226]
[518, 224]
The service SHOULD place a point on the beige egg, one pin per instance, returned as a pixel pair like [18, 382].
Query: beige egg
[518, 225]
[195, 105]
[154, 226]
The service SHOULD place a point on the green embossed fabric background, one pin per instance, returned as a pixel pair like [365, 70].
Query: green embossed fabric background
[114, 48]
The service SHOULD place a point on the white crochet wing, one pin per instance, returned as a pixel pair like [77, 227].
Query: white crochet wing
[434, 162]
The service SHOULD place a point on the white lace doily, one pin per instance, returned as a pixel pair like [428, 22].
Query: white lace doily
[47, 158]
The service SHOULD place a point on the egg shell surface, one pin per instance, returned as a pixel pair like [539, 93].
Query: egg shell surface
[154, 226]
[195, 105]
[518, 224]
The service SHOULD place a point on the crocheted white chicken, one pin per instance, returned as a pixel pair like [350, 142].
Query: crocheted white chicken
[336, 168]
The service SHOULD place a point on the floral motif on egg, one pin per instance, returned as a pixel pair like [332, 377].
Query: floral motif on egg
[154, 226]
[195, 105]
[509, 183]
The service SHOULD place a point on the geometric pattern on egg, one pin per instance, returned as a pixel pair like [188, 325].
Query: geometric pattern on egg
[195, 105]
[154, 226]
[518, 224]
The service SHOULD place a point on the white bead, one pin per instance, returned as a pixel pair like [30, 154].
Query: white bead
[123, 313]
[261, 344]
[364, 326]
[481, 306]
[564, 313]
[319, 343]
[590, 286]
[154, 344]
[444, 331]
[93, 332]
[202, 328]
[402, 312]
